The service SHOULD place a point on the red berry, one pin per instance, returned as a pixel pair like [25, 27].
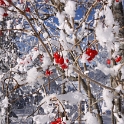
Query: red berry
[61, 60]
[5, 14]
[67, 60]
[27, 9]
[56, 55]
[108, 61]
[118, 59]
[95, 52]
[88, 50]
[57, 60]
[64, 66]
[53, 122]
[92, 55]
[47, 73]
[58, 120]
[117, 0]
[2, 2]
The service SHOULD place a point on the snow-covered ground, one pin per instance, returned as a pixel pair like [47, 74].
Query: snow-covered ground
[22, 117]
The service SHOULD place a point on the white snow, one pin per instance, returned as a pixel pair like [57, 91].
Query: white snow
[69, 70]
[122, 71]
[70, 8]
[84, 58]
[19, 26]
[90, 118]
[5, 102]
[120, 120]
[71, 97]
[119, 88]
[40, 119]
[45, 35]
[46, 61]
[113, 71]
[108, 97]
[32, 75]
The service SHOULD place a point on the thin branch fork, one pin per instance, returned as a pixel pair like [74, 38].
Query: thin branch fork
[88, 12]
[38, 36]
[84, 76]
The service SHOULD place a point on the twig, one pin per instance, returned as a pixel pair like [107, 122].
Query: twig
[84, 76]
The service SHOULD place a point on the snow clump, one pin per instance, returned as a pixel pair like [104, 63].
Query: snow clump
[108, 97]
[90, 118]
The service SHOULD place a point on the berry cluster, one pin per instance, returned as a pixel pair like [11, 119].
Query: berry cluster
[91, 53]
[117, 59]
[58, 121]
[60, 60]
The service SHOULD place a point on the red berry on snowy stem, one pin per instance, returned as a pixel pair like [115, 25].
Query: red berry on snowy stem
[64, 66]
[2, 2]
[57, 60]
[61, 60]
[27, 9]
[67, 60]
[53, 122]
[56, 55]
[92, 55]
[118, 59]
[58, 119]
[47, 73]
[5, 14]
[95, 52]
[88, 50]
[108, 61]
[117, 0]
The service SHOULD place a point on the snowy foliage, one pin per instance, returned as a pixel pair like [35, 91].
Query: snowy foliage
[56, 56]
[32, 75]
[90, 118]
[108, 97]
